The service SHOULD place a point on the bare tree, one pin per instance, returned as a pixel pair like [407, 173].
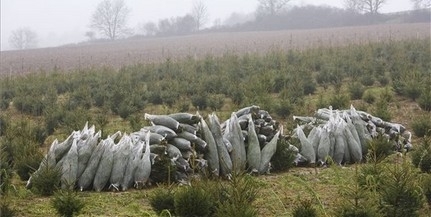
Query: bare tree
[365, 6]
[353, 5]
[421, 4]
[372, 6]
[23, 38]
[200, 14]
[110, 19]
[271, 7]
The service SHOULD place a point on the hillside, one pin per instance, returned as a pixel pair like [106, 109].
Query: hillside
[382, 70]
[121, 53]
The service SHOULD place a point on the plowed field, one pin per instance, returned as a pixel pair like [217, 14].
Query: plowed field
[119, 53]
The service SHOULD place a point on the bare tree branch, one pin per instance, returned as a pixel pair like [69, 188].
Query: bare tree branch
[421, 4]
[110, 19]
[23, 38]
[364, 6]
[271, 7]
[200, 14]
[353, 5]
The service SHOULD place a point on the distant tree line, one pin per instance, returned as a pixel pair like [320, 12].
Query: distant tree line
[310, 16]
[180, 25]
[278, 15]
[109, 20]
[421, 4]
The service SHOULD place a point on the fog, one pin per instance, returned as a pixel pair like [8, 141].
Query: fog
[59, 22]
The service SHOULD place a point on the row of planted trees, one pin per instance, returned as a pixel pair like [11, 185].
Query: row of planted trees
[245, 79]
[281, 82]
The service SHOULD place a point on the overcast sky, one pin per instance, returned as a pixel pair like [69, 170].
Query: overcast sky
[60, 22]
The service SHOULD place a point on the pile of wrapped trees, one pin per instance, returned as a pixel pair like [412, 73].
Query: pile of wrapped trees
[246, 141]
[343, 135]
[191, 144]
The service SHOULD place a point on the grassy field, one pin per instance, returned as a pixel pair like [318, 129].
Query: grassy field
[389, 65]
[278, 195]
[120, 53]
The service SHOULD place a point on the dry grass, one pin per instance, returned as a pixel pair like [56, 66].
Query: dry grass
[120, 53]
[277, 197]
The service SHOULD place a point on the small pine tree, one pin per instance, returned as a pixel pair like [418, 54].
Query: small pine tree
[283, 108]
[5, 170]
[356, 90]
[6, 210]
[135, 122]
[381, 110]
[46, 180]
[368, 97]
[4, 124]
[67, 203]
[421, 157]
[400, 193]
[370, 176]
[237, 196]
[422, 125]
[379, 148]
[284, 156]
[356, 201]
[163, 199]
[193, 201]
[426, 188]
[367, 80]
[424, 100]
[304, 208]
[162, 171]
[339, 101]
[25, 164]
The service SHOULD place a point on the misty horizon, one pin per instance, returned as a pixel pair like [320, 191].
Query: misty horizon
[68, 28]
